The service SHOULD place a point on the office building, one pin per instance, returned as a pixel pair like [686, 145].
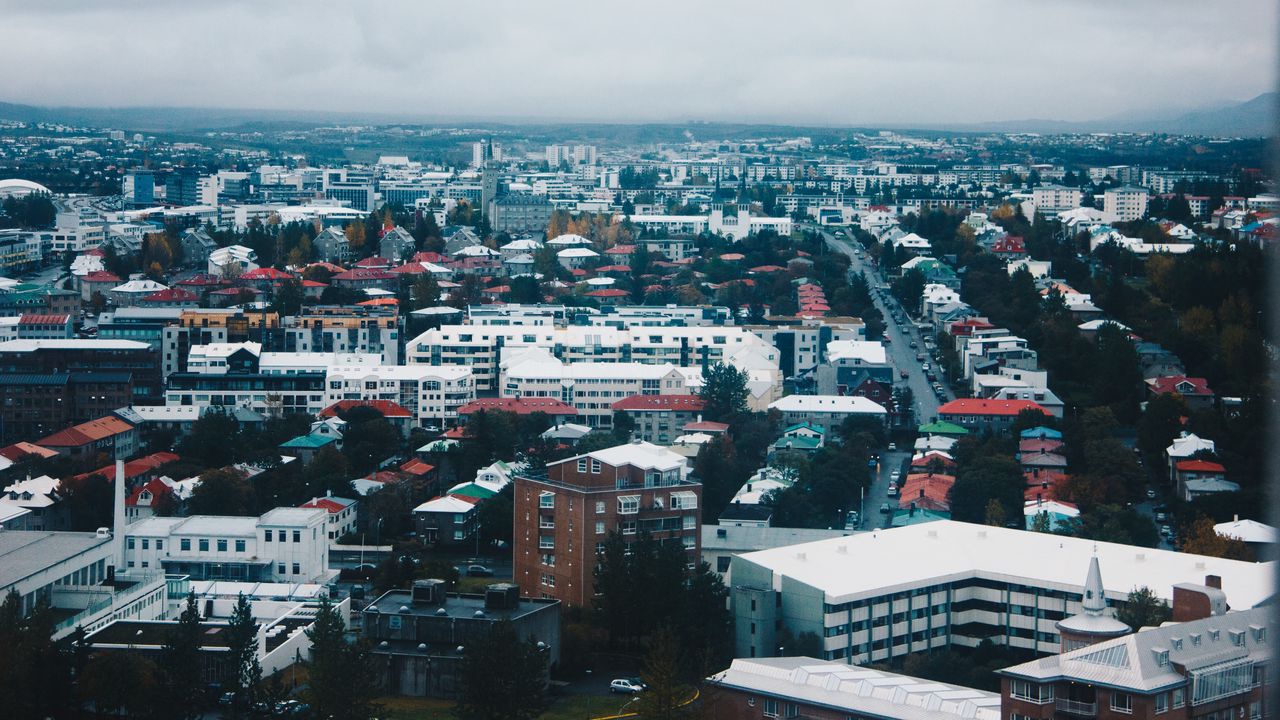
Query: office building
[563, 518]
[137, 359]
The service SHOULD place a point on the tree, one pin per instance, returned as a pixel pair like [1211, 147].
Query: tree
[212, 440]
[368, 439]
[724, 392]
[224, 491]
[1113, 523]
[120, 683]
[1143, 609]
[35, 674]
[982, 480]
[342, 681]
[524, 289]
[665, 695]
[181, 671]
[329, 472]
[503, 677]
[426, 291]
[1200, 538]
[242, 640]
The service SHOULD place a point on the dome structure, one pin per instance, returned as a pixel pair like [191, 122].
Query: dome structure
[15, 188]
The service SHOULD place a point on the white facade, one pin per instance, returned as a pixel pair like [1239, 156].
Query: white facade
[432, 394]
[1124, 204]
[283, 545]
[1053, 199]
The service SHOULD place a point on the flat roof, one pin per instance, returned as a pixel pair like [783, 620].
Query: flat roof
[875, 563]
[456, 605]
[24, 553]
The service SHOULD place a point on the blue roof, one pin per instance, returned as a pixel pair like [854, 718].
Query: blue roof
[806, 425]
[1041, 432]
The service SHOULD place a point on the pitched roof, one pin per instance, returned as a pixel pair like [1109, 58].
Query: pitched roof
[971, 406]
[658, 403]
[519, 406]
[88, 432]
[1180, 384]
[416, 467]
[386, 407]
[927, 490]
[1199, 466]
[330, 503]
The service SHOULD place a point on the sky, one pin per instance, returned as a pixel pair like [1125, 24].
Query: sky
[796, 61]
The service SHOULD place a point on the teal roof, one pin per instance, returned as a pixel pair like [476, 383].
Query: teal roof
[806, 426]
[904, 518]
[798, 442]
[309, 441]
[473, 490]
[1041, 432]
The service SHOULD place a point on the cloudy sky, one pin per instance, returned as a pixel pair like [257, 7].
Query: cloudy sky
[837, 62]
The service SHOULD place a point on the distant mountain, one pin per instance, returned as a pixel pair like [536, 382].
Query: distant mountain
[1252, 118]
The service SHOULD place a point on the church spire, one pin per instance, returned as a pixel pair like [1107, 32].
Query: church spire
[1095, 599]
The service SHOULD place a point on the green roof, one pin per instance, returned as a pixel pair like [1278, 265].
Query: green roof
[942, 427]
[806, 426]
[798, 442]
[309, 441]
[473, 490]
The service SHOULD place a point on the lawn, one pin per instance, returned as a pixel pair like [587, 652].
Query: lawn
[567, 707]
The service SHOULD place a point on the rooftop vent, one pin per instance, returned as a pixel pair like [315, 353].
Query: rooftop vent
[422, 647]
[441, 612]
[427, 592]
[478, 614]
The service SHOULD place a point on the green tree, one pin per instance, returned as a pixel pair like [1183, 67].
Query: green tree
[724, 392]
[121, 684]
[503, 677]
[342, 680]
[368, 439]
[666, 694]
[35, 674]
[223, 491]
[1143, 609]
[426, 291]
[242, 641]
[985, 479]
[181, 672]
[524, 289]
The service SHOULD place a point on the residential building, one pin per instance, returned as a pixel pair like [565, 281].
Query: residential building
[804, 687]
[520, 212]
[564, 517]
[416, 633]
[107, 435]
[39, 403]
[1049, 200]
[43, 501]
[1125, 204]
[289, 545]
[990, 416]
[447, 520]
[88, 356]
[660, 418]
[432, 395]
[721, 543]
[964, 584]
[828, 411]
[342, 514]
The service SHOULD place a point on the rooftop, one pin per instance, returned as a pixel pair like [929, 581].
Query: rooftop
[25, 553]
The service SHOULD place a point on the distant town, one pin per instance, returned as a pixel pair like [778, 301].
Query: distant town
[593, 421]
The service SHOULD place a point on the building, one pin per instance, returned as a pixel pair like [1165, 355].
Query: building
[136, 359]
[432, 395]
[1124, 204]
[41, 498]
[39, 403]
[107, 435]
[564, 517]
[722, 543]
[520, 212]
[447, 519]
[419, 635]
[963, 584]
[342, 514]
[991, 416]
[1049, 200]
[828, 411]
[804, 687]
[660, 418]
[592, 388]
[1211, 667]
[289, 545]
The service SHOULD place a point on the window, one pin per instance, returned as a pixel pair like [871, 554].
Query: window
[548, 559]
[266, 535]
[204, 545]
[628, 504]
[685, 500]
[1179, 697]
[1031, 692]
[297, 569]
[770, 708]
[722, 563]
[457, 535]
[629, 527]
[595, 466]
[546, 542]
[222, 545]
[1162, 702]
[184, 545]
[459, 518]
[297, 536]
[1122, 702]
[146, 544]
[159, 544]
[599, 528]
[582, 465]
[547, 500]
[599, 507]
[240, 546]
[688, 522]
[129, 543]
[280, 569]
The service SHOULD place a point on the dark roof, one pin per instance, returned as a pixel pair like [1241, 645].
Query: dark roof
[741, 511]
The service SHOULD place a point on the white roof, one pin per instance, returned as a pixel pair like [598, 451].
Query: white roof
[876, 563]
[40, 489]
[842, 404]
[1182, 447]
[912, 240]
[446, 504]
[568, 239]
[858, 691]
[1250, 531]
[74, 344]
[140, 286]
[1032, 508]
[9, 511]
[867, 351]
[167, 413]
[640, 454]
[521, 245]
[475, 251]
[577, 252]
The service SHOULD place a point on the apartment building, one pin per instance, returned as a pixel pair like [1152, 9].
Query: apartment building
[283, 545]
[877, 596]
[431, 394]
[137, 359]
[828, 411]
[563, 518]
[481, 347]
[591, 388]
[660, 418]
[39, 403]
[1049, 200]
[1123, 204]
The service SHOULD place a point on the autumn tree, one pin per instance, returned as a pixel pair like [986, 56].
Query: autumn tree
[1200, 538]
[355, 233]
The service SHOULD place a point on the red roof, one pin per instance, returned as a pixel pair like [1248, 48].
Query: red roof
[157, 487]
[1180, 384]
[364, 274]
[417, 467]
[379, 302]
[767, 269]
[614, 268]
[519, 406]
[101, 276]
[327, 266]
[174, 294]
[1009, 244]
[971, 406]
[732, 257]
[409, 268]
[31, 319]
[201, 280]
[927, 491]
[313, 283]
[1201, 466]
[431, 257]
[924, 460]
[20, 450]
[620, 250]
[134, 468]
[608, 293]
[85, 433]
[691, 403]
[327, 503]
[266, 273]
[386, 407]
[706, 426]
[373, 262]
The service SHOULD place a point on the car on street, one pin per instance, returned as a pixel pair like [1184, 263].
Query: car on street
[479, 571]
[914, 344]
[1151, 494]
[931, 377]
[884, 509]
[1166, 531]
[1161, 517]
[919, 357]
[893, 490]
[626, 685]
[904, 374]
[893, 446]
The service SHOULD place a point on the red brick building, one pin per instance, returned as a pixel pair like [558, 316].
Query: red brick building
[562, 519]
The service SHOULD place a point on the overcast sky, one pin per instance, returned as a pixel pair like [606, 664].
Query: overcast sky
[890, 61]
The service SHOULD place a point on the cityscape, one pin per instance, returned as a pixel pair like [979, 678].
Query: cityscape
[651, 405]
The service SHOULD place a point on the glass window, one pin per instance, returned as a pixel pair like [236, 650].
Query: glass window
[628, 504]
[547, 500]
[297, 536]
[595, 466]
[204, 545]
[184, 545]
[267, 535]
[1121, 702]
[240, 546]
[129, 543]
[222, 546]
[582, 465]
[599, 507]
[297, 569]
[1162, 702]
[599, 528]
[770, 708]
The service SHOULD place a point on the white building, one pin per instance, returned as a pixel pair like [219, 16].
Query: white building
[1123, 204]
[736, 226]
[1050, 200]
[432, 394]
[880, 595]
[829, 411]
[232, 260]
[283, 545]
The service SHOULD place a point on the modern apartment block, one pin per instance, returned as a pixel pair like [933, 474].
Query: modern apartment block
[137, 359]
[432, 394]
[877, 596]
[591, 388]
[563, 518]
[480, 347]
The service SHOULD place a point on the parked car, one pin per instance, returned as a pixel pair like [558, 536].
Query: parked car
[914, 344]
[479, 571]
[884, 508]
[625, 685]
[1166, 531]
[893, 446]
[930, 376]
[904, 374]
[1151, 494]
[893, 490]
[1161, 517]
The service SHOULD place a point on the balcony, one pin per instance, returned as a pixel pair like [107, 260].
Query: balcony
[1077, 707]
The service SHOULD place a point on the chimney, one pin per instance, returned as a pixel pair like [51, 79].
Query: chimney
[1213, 581]
[912, 511]
[118, 522]
[921, 492]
